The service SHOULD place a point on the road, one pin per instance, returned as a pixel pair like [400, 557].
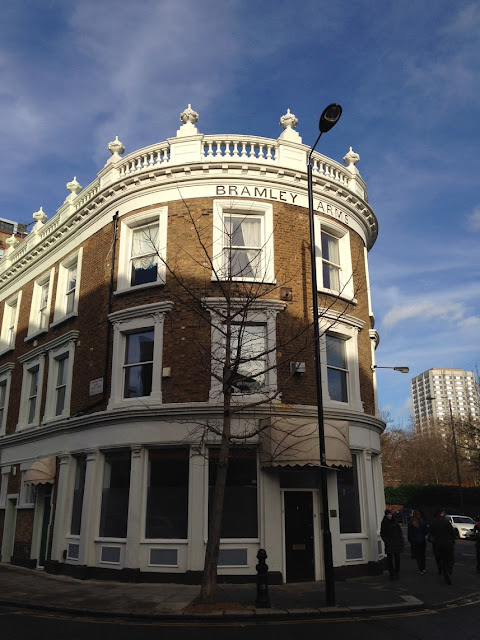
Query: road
[460, 621]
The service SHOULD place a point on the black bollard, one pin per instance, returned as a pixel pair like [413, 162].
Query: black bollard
[263, 599]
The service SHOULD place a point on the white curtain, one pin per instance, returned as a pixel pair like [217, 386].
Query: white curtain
[144, 242]
[251, 230]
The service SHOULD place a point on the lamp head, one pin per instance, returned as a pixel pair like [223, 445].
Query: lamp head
[401, 369]
[330, 117]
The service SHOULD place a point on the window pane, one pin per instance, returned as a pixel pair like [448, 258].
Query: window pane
[242, 246]
[167, 498]
[336, 352]
[115, 493]
[138, 364]
[239, 518]
[61, 388]
[349, 499]
[330, 250]
[144, 254]
[331, 262]
[337, 385]
[248, 349]
[78, 491]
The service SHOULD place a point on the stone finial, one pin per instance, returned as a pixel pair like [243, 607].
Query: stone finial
[189, 115]
[12, 242]
[289, 121]
[351, 158]
[74, 187]
[39, 216]
[115, 147]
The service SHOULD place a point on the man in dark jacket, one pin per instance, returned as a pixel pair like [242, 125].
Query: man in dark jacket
[443, 535]
[392, 536]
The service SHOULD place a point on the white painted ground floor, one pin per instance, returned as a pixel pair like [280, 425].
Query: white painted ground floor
[111, 504]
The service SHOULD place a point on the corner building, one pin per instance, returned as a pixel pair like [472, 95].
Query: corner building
[110, 401]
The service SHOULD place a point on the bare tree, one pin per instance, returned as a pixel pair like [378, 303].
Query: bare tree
[227, 295]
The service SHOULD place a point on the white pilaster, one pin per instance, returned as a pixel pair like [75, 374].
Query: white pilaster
[63, 505]
[91, 507]
[135, 502]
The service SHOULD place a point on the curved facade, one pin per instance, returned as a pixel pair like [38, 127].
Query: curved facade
[113, 316]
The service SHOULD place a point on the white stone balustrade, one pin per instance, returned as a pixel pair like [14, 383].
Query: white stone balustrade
[189, 148]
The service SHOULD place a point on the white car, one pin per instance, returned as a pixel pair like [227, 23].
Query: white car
[463, 525]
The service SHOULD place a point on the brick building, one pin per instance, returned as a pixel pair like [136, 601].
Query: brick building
[113, 316]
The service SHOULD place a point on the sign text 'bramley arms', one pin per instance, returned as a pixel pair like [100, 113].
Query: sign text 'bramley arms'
[251, 191]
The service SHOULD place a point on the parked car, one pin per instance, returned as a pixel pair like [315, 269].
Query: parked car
[464, 526]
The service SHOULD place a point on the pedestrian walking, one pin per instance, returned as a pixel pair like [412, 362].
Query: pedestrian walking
[417, 537]
[392, 536]
[477, 544]
[444, 544]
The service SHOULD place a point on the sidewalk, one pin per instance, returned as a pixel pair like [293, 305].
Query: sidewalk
[41, 591]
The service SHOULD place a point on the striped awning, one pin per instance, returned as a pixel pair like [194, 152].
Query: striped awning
[293, 442]
[42, 471]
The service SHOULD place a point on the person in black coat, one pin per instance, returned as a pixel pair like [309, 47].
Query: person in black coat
[392, 536]
[443, 535]
[417, 536]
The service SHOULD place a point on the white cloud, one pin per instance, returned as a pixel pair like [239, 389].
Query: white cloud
[473, 219]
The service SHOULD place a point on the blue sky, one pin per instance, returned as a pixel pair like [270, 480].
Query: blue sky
[75, 74]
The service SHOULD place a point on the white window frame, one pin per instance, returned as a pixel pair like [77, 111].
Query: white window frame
[60, 313]
[62, 348]
[260, 312]
[5, 379]
[34, 325]
[26, 498]
[9, 324]
[127, 226]
[29, 365]
[345, 327]
[346, 289]
[262, 210]
[4, 486]
[360, 469]
[129, 321]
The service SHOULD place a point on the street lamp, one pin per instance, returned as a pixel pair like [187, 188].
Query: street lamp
[400, 369]
[328, 119]
[452, 424]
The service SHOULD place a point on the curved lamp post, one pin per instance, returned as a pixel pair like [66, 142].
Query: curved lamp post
[328, 119]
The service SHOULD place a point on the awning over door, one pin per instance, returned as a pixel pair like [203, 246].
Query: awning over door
[42, 471]
[293, 442]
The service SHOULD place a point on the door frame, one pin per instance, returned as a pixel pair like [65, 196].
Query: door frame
[317, 557]
[9, 527]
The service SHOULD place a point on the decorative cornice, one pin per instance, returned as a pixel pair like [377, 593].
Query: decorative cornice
[71, 336]
[145, 310]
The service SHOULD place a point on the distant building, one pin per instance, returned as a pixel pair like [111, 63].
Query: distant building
[7, 229]
[435, 389]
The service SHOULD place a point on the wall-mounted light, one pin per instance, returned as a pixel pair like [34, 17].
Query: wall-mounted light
[400, 369]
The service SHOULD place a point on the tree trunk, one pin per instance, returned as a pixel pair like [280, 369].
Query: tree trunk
[209, 576]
